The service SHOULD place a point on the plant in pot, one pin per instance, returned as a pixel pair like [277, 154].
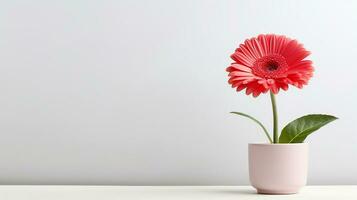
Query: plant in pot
[267, 64]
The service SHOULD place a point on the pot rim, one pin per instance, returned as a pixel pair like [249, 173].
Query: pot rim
[278, 144]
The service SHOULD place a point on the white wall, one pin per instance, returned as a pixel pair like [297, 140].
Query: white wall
[135, 92]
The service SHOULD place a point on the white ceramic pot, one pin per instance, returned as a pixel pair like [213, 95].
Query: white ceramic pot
[278, 168]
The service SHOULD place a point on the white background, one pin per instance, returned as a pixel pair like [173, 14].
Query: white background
[135, 92]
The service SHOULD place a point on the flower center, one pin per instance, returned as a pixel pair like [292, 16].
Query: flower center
[271, 66]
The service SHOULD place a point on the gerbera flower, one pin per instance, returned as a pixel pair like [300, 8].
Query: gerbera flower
[269, 63]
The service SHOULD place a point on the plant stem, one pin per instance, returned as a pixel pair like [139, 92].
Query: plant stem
[275, 118]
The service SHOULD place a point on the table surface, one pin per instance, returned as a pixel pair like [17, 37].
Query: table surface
[168, 192]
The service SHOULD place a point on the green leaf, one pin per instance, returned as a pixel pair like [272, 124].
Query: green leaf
[297, 130]
[258, 122]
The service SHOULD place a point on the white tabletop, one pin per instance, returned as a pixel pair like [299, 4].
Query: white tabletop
[168, 192]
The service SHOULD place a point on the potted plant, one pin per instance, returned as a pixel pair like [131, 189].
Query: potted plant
[267, 64]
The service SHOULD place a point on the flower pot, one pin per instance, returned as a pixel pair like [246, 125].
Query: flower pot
[278, 168]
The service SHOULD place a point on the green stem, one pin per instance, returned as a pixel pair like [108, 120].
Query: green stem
[275, 118]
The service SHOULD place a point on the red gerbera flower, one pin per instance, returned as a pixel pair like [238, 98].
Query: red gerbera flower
[269, 62]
